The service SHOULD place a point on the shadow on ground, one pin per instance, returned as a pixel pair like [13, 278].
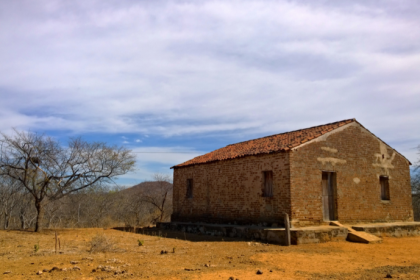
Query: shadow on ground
[193, 237]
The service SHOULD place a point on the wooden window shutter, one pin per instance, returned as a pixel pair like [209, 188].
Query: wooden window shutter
[384, 188]
[268, 184]
[189, 188]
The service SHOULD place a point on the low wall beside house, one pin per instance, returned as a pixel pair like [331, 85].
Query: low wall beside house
[402, 229]
[272, 235]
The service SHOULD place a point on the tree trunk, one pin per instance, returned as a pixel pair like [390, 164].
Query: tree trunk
[22, 222]
[161, 215]
[6, 220]
[22, 219]
[162, 210]
[50, 221]
[40, 216]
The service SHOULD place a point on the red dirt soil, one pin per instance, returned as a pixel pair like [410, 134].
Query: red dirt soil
[201, 257]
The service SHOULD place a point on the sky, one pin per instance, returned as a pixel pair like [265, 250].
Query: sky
[172, 80]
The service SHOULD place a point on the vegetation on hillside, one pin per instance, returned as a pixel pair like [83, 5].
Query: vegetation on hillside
[96, 206]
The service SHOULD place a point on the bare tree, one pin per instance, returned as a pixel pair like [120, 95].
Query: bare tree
[102, 203]
[49, 171]
[415, 186]
[73, 212]
[160, 195]
[133, 210]
[53, 212]
[416, 173]
[26, 210]
[9, 199]
[415, 176]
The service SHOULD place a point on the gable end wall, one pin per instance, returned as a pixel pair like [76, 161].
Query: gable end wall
[358, 158]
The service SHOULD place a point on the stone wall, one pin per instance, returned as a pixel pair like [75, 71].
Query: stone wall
[391, 229]
[231, 191]
[358, 158]
[261, 234]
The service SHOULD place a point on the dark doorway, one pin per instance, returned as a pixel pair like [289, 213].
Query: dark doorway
[328, 196]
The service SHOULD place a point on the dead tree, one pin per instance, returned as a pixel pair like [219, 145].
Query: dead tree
[415, 187]
[159, 195]
[26, 210]
[50, 171]
[9, 199]
[133, 210]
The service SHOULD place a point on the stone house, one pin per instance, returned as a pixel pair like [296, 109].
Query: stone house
[338, 171]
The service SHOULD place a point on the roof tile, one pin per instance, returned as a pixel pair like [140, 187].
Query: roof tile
[265, 145]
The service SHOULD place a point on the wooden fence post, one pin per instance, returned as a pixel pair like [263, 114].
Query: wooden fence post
[287, 229]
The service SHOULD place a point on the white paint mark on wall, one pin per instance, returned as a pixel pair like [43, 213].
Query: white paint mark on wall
[328, 149]
[331, 160]
[383, 159]
[356, 180]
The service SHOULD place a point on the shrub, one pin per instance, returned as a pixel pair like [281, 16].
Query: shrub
[101, 243]
[141, 242]
[36, 248]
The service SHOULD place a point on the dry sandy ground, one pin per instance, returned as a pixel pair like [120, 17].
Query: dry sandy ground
[201, 257]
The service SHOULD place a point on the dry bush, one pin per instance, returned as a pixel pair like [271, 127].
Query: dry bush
[101, 243]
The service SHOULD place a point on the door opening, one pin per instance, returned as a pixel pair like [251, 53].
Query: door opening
[329, 196]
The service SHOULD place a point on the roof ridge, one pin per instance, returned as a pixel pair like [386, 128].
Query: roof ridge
[353, 120]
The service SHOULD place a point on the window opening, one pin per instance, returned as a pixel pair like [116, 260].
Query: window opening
[189, 188]
[384, 187]
[268, 184]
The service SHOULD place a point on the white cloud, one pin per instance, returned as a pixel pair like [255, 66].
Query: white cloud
[206, 67]
[152, 160]
[165, 155]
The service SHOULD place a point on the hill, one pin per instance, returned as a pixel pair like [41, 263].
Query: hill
[150, 188]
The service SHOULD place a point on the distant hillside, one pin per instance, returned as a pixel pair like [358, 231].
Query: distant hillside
[145, 201]
[149, 188]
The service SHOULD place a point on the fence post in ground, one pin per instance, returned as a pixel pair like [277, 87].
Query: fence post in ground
[287, 229]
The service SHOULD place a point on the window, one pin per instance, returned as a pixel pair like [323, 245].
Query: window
[384, 187]
[189, 188]
[268, 184]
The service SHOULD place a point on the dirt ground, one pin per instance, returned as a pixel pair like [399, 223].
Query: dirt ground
[199, 257]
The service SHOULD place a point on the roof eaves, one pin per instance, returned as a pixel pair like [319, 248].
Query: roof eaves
[230, 158]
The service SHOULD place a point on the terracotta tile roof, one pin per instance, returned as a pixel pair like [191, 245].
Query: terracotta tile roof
[265, 145]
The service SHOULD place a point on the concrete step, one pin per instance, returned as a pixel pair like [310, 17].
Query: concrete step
[358, 236]
[338, 224]
[363, 237]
